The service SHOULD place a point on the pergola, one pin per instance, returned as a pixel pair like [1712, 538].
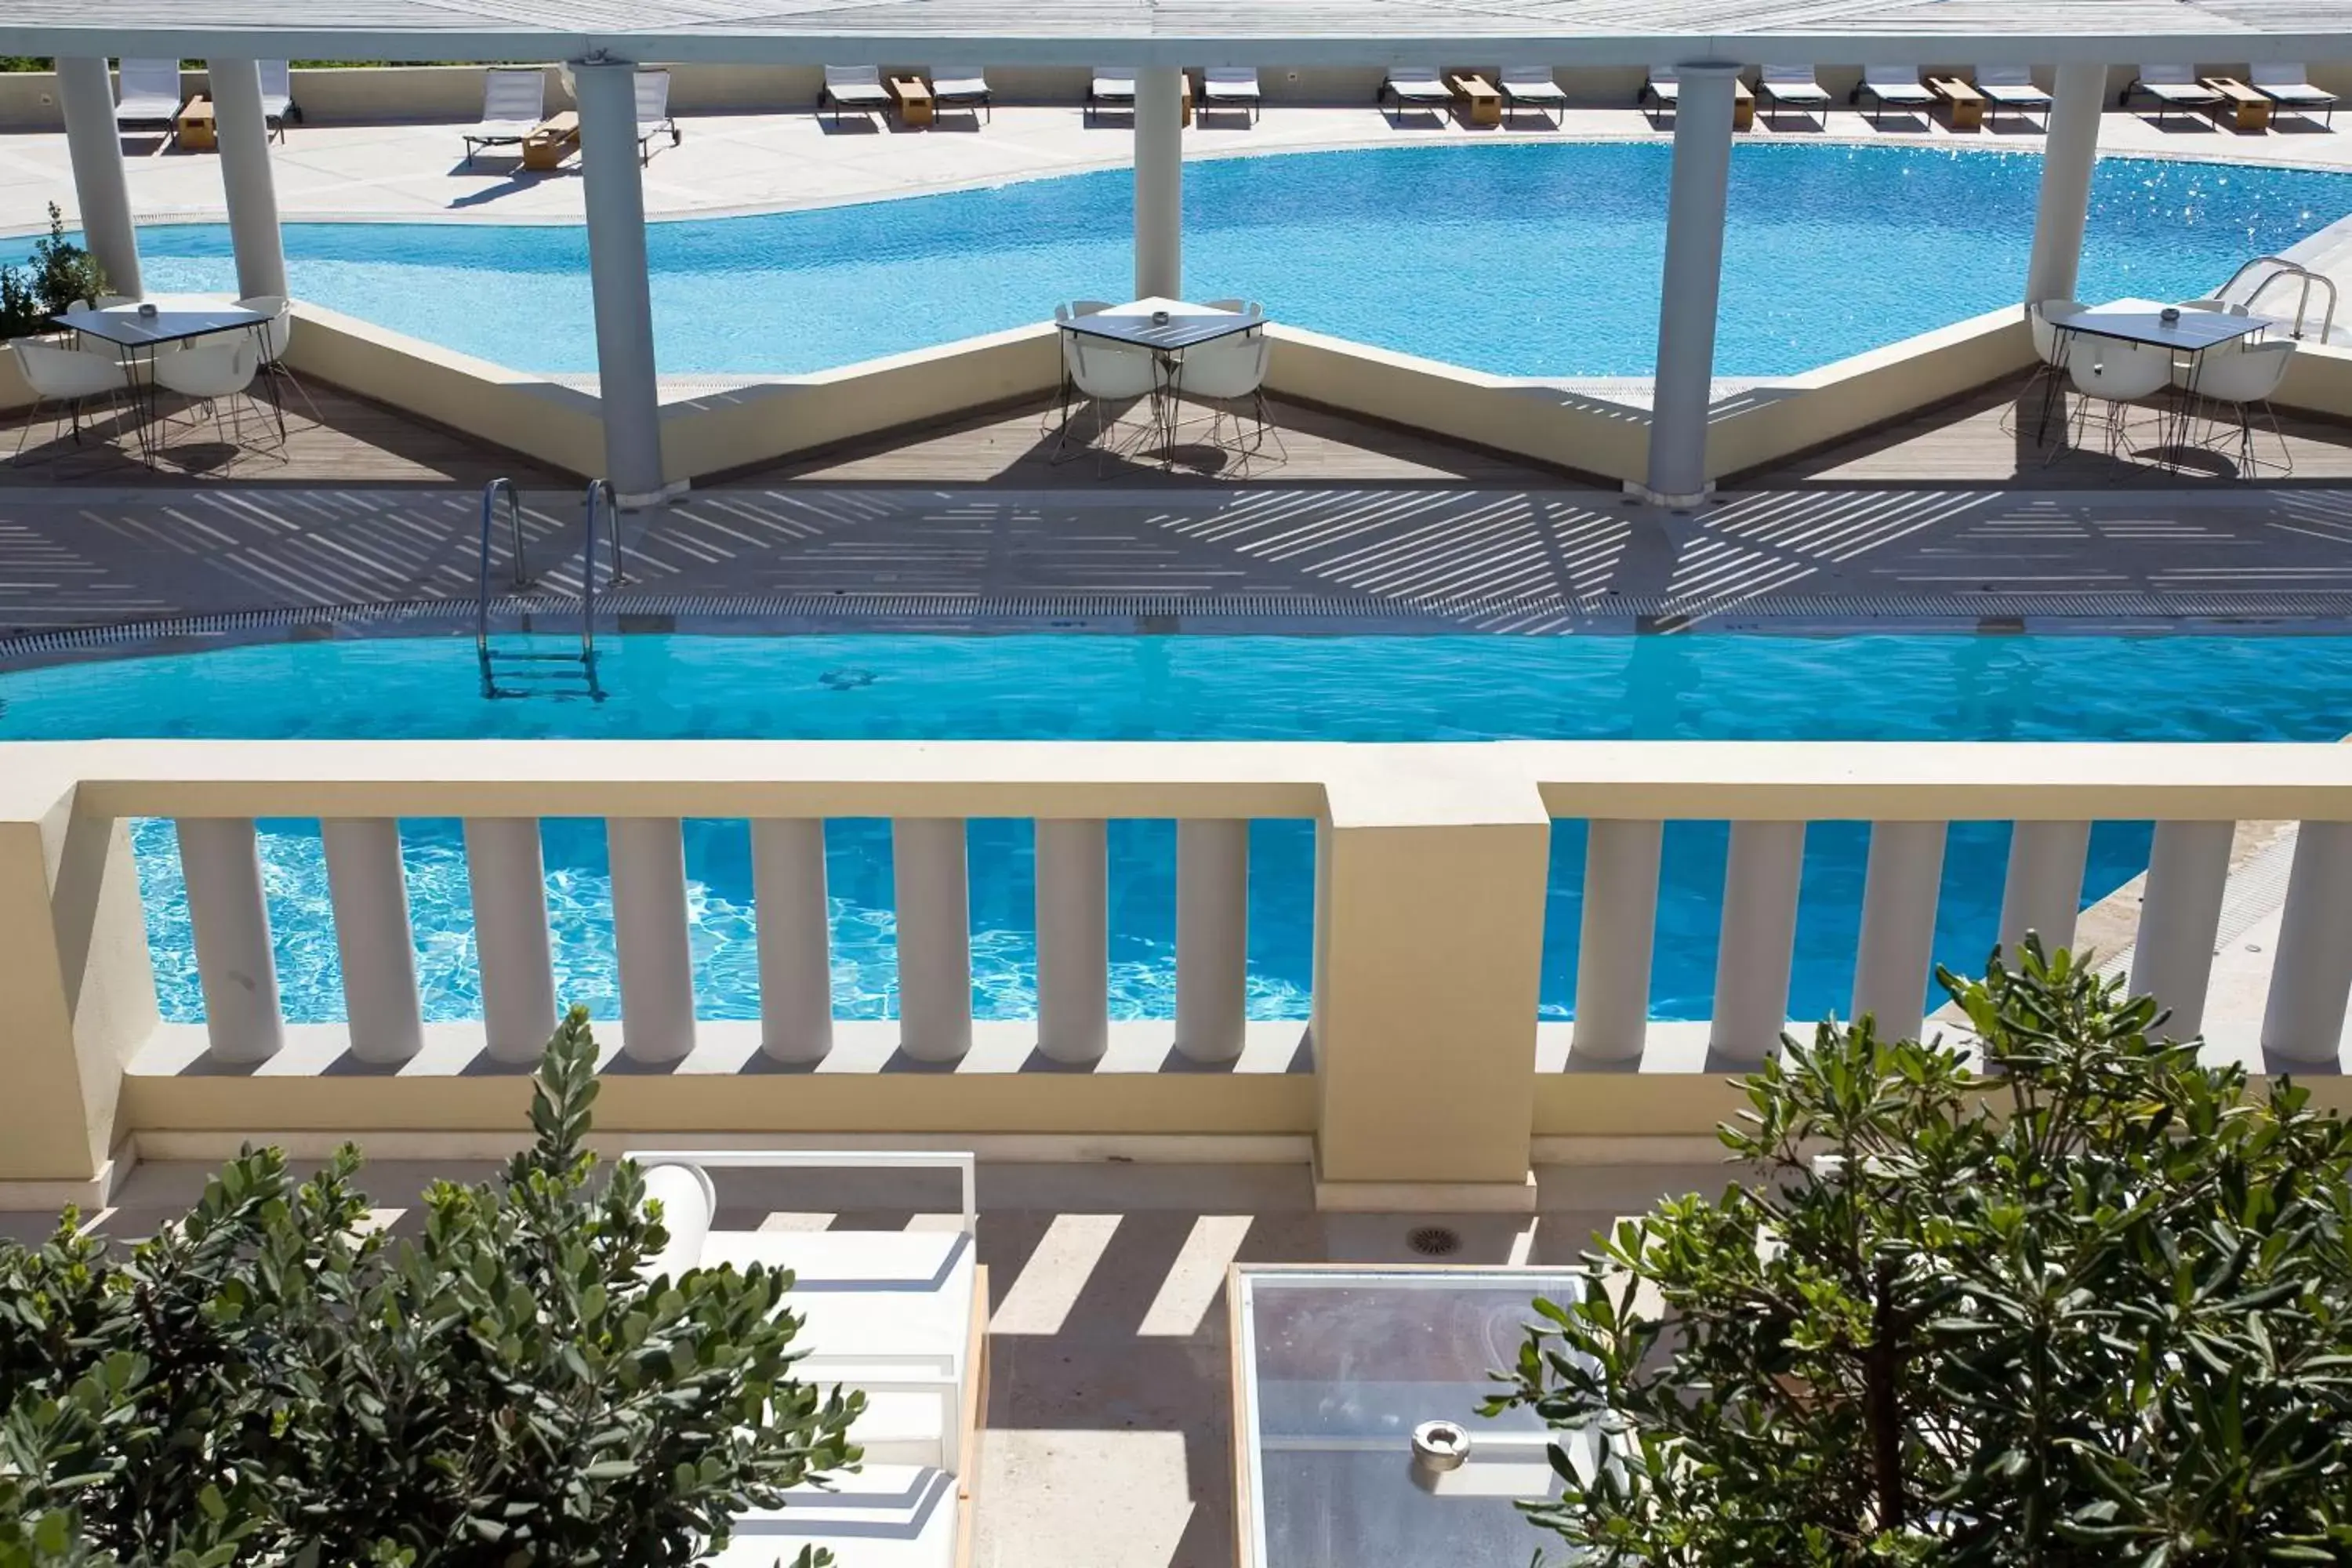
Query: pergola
[603, 40]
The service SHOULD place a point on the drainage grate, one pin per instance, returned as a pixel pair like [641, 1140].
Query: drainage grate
[1434, 1240]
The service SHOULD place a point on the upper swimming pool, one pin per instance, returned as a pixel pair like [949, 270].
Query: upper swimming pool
[1725, 686]
[1524, 258]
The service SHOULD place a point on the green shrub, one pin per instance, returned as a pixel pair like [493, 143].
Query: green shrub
[2094, 1307]
[270, 1380]
[58, 274]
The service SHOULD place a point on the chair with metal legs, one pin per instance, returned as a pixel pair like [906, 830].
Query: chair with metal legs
[2121, 375]
[218, 377]
[276, 338]
[1110, 376]
[2240, 378]
[67, 379]
[1228, 378]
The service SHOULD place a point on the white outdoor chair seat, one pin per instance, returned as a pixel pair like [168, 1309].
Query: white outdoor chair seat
[1664, 85]
[1236, 83]
[149, 93]
[1895, 84]
[1112, 82]
[58, 373]
[1417, 84]
[1531, 84]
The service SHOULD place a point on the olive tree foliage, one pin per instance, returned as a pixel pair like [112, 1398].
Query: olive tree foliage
[271, 1379]
[2090, 1304]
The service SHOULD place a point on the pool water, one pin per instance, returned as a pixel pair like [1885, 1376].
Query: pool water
[1537, 259]
[1717, 686]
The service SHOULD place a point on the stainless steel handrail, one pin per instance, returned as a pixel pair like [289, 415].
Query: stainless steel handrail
[597, 488]
[491, 492]
[2282, 268]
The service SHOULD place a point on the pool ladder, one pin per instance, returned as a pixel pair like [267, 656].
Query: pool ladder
[499, 496]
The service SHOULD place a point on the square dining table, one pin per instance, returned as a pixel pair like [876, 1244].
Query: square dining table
[138, 337]
[2190, 333]
[1166, 327]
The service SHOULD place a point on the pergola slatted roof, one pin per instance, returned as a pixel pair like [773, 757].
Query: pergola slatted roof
[1196, 32]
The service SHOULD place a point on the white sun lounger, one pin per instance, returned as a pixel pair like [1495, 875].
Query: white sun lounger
[2284, 84]
[901, 1315]
[1111, 85]
[854, 89]
[1895, 86]
[1415, 85]
[277, 96]
[1534, 86]
[966, 84]
[513, 103]
[151, 92]
[653, 113]
[1793, 87]
[1226, 85]
[2011, 87]
[2172, 87]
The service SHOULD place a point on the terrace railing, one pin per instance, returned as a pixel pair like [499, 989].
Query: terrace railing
[1423, 1075]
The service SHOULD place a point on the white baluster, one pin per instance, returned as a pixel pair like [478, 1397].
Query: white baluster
[373, 937]
[795, 965]
[2312, 975]
[2172, 959]
[1211, 938]
[934, 937]
[649, 927]
[1899, 893]
[2044, 890]
[1615, 940]
[221, 861]
[1761, 879]
[1073, 940]
[508, 880]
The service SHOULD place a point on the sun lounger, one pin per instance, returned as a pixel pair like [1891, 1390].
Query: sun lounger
[1113, 86]
[965, 85]
[513, 104]
[2172, 87]
[277, 96]
[2011, 87]
[1535, 87]
[1664, 88]
[1225, 86]
[151, 92]
[653, 113]
[856, 90]
[2284, 84]
[1418, 85]
[1897, 87]
[1793, 87]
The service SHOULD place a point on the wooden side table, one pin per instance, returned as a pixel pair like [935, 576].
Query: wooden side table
[2248, 110]
[551, 141]
[1963, 104]
[914, 95]
[1743, 106]
[193, 129]
[1481, 103]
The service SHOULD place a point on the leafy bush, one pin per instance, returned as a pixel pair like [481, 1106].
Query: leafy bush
[271, 1380]
[59, 273]
[2093, 1307]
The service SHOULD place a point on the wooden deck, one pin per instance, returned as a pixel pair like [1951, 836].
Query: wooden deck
[332, 438]
[1987, 438]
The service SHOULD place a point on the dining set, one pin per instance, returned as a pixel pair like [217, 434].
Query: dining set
[212, 352]
[1165, 354]
[2200, 363]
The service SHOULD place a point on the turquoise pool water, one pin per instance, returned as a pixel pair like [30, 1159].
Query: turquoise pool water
[1522, 258]
[1177, 688]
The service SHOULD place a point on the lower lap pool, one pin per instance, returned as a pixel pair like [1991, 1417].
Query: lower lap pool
[1527, 258]
[1387, 689]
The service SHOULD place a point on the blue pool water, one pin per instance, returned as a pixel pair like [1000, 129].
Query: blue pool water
[1123, 687]
[1523, 259]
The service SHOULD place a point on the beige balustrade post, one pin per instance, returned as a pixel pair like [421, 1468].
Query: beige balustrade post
[1429, 908]
[933, 892]
[649, 927]
[1761, 873]
[1072, 939]
[1899, 892]
[2172, 959]
[794, 937]
[2042, 892]
[1211, 938]
[77, 988]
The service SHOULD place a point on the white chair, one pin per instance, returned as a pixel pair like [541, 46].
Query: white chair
[513, 103]
[66, 378]
[2172, 87]
[2011, 87]
[2041, 318]
[856, 90]
[2285, 84]
[1111, 87]
[2230, 307]
[963, 86]
[277, 96]
[2243, 377]
[1793, 87]
[218, 377]
[653, 113]
[1224, 87]
[1110, 376]
[1080, 308]
[1535, 87]
[275, 339]
[149, 93]
[2119, 374]
[1228, 377]
[1420, 86]
[1897, 87]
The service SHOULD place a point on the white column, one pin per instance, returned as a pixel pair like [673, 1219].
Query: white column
[1899, 892]
[235, 966]
[1694, 276]
[2068, 152]
[934, 918]
[1212, 939]
[1613, 944]
[101, 189]
[508, 881]
[370, 893]
[2044, 890]
[615, 199]
[2304, 1020]
[246, 177]
[1759, 938]
[2181, 913]
[1073, 940]
[795, 962]
[649, 860]
[1159, 182]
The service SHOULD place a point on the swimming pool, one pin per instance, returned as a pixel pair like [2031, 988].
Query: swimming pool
[1173, 688]
[1521, 259]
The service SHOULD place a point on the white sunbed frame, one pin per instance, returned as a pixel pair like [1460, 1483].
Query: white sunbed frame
[1420, 86]
[1534, 86]
[507, 129]
[1226, 85]
[2176, 87]
[1891, 87]
[278, 104]
[2011, 87]
[854, 89]
[963, 85]
[1795, 87]
[1109, 86]
[2286, 85]
[145, 101]
[654, 117]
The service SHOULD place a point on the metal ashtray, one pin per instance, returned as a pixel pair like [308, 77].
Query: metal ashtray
[2169, 315]
[1441, 1446]
[147, 309]
[1158, 317]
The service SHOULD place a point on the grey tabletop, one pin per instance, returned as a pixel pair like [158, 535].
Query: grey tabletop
[124, 325]
[2191, 332]
[1178, 331]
